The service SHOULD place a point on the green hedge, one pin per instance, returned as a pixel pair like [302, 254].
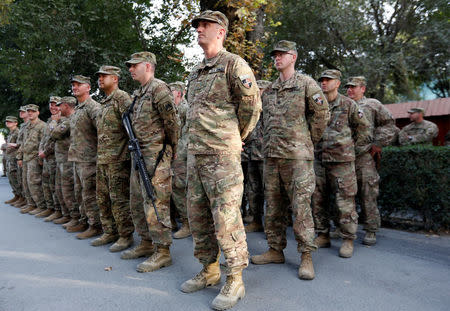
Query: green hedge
[415, 178]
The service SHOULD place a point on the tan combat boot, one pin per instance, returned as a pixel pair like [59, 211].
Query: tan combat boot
[370, 238]
[184, 231]
[14, 199]
[55, 215]
[77, 227]
[254, 226]
[104, 239]
[231, 292]
[346, 250]
[47, 212]
[209, 276]
[336, 234]
[322, 240]
[20, 203]
[161, 258]
[121, 244]
[144, 249]
[306, 269]
[271, 256]
[36, 211]
[27, 209]
[64, 221]
[90, 232]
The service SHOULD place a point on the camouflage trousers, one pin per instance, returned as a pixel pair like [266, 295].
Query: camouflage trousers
[34, 182]
[48, 183]
[179, 168]
[338, 179]
[23, 180]
[142, 210]
[12, 170]
[368, 182]
[85, 196]
[113, 198]
[295, 178]
[65, 190]
[256, 189]
[215, 187]
[245, 193]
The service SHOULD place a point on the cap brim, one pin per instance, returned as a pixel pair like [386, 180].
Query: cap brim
[327, 76]
[79, 81]
[195, 21]
[278, 50]
[105, 73]
[351, 84]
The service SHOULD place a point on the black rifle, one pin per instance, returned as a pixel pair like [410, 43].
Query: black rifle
[139, 163]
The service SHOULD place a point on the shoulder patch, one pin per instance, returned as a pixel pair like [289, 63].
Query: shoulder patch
[246, 81]
[318, 99]
[360, 113]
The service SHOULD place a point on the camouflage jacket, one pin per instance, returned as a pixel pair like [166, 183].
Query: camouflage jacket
[418, 133]
[348, 132]
[60, 135]
[382, 124]
[254, 143]
[182, 141]
[83, 132]
[154, 117]
[47, 146]
[10, 153]
[29, 149]
[295, 116]
[20, 139]
[224, 105]
[112, 137]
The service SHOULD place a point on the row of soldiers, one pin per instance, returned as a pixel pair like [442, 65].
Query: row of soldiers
[309, 149]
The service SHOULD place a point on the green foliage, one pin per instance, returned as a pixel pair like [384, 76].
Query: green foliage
[416, 177]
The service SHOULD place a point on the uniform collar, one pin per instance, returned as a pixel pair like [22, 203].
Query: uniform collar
[289, 83]
[110, 96]
[335, 102]
[80, 105]
[144, 88]
[212, 61]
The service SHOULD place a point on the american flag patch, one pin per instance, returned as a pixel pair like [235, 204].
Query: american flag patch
[246, 81]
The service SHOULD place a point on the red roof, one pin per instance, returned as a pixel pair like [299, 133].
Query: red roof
[435, 107]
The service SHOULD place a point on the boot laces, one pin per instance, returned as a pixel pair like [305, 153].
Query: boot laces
[227, 287]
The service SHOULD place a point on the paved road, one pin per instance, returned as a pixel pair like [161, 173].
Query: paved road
[42, 267]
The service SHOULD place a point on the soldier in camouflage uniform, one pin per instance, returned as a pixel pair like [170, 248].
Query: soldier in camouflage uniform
[347, 133]
[255, 171]
[295, 116]
[83, 152]
[157, 128]
[47, 154]
[11, 162]
[179, 164]
[384, 132]
[70, 212]
[27, 156]
[419, 131]
[224, 106]
[113, 164]
[22, 202]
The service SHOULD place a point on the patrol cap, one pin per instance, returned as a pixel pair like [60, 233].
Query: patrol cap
[11, 119]
[23, 108]
[54, 99]
[416, 109]
[331, 74]
[33, 107]
[178, 86]
[81, 79]
[356, 81]
[140, 57]
[72, 101]
[263, 84]
[284, 46]
[211, 16]
[109, 70]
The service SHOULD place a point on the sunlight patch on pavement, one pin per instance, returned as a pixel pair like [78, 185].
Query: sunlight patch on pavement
[33, 256]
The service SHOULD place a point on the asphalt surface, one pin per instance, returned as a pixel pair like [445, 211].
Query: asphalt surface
[42, 267]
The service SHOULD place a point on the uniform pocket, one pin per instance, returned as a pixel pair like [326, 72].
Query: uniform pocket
[227, 182]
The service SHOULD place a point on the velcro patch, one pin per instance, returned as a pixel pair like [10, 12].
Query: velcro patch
[318, 99]
[246, 81]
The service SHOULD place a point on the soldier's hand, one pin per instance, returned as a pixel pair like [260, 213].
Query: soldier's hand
[243, 144]
[375, 151]
[19, 162]
[41, 155]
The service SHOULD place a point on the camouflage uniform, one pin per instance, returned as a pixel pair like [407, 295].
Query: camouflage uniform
[418, 133]
[224, 106]
[155, 123]
[83, 154]
[49, 167]
[22, 176]
[64, 173]
[113, 166]
[295, 116]
[11, 163]
[384, 132]
[347, 132]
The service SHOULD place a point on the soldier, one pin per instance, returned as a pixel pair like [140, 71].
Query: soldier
[224, 106]
[28, 158]
[11, 162]
[49, 165]
[113, 164]
[384, 132]
[179, 165]
[156, 126]
[419, 131]
[295, 116]
[255, 171]
[70, 211]
[346, 134]
[83, 152]
[22, 202]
